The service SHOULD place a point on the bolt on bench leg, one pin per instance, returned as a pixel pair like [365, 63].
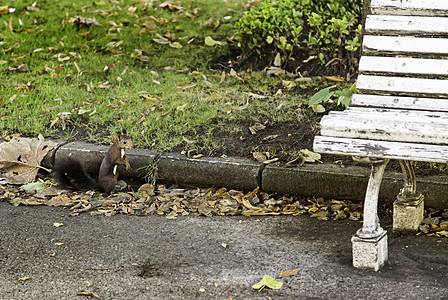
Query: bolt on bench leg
[370, 242]
[408, 208]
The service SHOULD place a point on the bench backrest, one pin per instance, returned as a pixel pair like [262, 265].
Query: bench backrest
[401, 109]
[404, 60]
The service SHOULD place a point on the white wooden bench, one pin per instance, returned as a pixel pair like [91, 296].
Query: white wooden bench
[400, 111]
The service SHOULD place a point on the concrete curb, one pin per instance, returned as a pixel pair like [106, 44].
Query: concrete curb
[318, 180]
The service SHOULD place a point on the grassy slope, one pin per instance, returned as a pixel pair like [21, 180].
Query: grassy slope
[101, 102]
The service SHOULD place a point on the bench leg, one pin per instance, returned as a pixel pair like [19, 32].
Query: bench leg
[409, 206]
[370, 242]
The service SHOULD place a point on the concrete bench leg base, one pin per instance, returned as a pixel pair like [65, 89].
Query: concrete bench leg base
[408, 208]
[369, 253]
[408, 217]
[370, 242]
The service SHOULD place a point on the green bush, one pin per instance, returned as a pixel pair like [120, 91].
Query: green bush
[323, 31]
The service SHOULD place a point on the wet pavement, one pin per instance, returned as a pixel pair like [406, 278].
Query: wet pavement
[197, 257]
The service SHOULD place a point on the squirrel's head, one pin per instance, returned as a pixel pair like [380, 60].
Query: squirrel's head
[123, 141]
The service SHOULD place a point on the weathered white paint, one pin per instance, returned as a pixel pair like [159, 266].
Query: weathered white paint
[405, 45]
[410, 7]
[403, 65]
[381, 149]
[400, 102]
[371, 226]
[400, 115]
[384, 127]
[386, 24]
[401, 85]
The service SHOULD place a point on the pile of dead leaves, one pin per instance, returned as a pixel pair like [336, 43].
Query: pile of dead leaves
[173, 201]
[435, 223]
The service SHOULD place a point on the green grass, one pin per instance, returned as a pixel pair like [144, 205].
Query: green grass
[142, 87]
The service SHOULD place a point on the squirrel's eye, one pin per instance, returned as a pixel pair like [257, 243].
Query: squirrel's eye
[124, 142]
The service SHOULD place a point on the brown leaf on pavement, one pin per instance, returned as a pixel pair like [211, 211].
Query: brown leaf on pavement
[288, 273]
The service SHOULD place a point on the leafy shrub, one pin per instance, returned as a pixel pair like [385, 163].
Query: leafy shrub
[325, 32]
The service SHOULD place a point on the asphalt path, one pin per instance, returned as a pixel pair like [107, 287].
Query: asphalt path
[196, 257]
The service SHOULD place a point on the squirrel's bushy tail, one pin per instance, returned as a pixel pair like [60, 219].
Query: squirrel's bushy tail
[69, 173]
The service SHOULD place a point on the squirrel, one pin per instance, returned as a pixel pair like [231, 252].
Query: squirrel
[69, 172]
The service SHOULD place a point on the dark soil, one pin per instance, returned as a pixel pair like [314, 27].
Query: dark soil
[282, 138]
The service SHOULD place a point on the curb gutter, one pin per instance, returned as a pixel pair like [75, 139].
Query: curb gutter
[318, 180]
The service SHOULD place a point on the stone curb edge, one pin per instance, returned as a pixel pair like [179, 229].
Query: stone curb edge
[318, 180]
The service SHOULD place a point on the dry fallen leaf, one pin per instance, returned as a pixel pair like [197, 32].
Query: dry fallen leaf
[260, 156]
[288, 84]
[318, 108]
[233, 73]
[442, 233]
[89, 294]
[84, 22]
[321, 215]
[334, 78]
[279, 93]
[310, 156]
[184, 87]
[20, 68]
[171, 5]
[162, 115]
[176, 45]
[288, 273]
[257, 127]
[20, 159]
[181, 107]
[60, 201]
[278, 60]
[209, 41]
[4, 10]
[24, 278]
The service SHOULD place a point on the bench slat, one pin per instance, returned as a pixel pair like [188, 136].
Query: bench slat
[386, 127]
[381, 149]
[395, 114]
[399, 102]
[405, 45]
[384, 24]
[411, 7]
[404, 86]
[403, 65]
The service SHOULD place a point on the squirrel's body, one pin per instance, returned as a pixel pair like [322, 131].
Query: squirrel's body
[70, 173]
